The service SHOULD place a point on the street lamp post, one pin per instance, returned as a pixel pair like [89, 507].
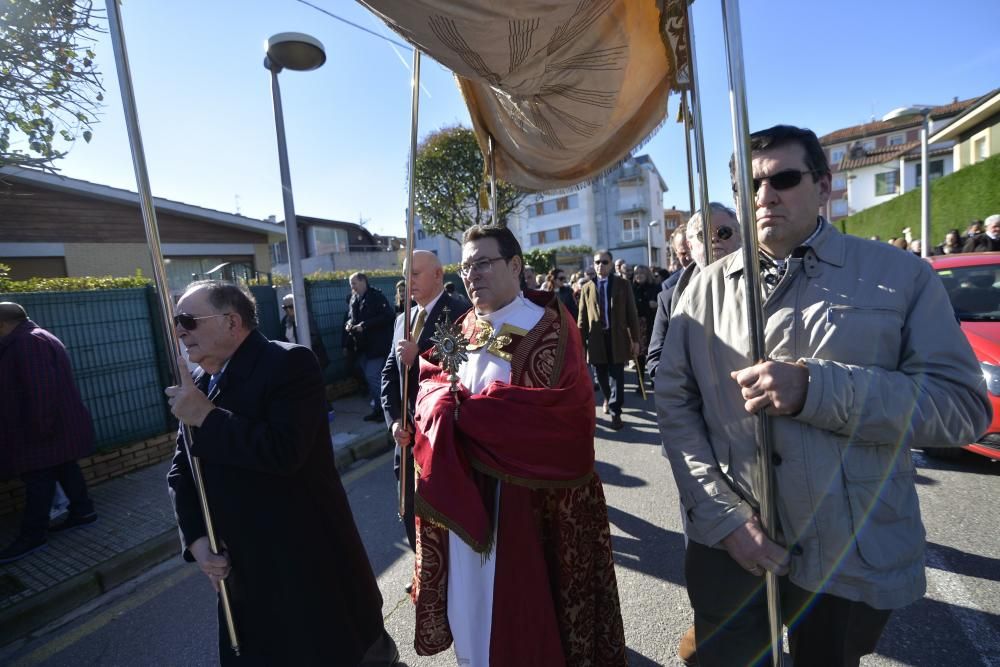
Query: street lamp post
[649, 242]
[301, 53]
[925, 177]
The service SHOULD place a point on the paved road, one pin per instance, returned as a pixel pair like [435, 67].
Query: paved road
[168, 618]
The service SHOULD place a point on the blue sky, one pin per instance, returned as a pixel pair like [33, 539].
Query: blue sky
[205, 105]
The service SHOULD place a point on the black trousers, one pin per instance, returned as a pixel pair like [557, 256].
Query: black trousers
[40, 489]
[730, 617]
[611, 378]
[409, 523]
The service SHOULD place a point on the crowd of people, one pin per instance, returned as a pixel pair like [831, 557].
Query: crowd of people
[495, 421]
[979, 236]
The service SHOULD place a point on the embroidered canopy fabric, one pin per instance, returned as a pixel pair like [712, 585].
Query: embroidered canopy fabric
[566, 88]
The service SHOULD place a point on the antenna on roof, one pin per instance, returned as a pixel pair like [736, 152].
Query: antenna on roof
[237, 197]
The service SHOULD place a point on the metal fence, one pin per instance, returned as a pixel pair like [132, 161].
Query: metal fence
[118, 354]
[112, 337]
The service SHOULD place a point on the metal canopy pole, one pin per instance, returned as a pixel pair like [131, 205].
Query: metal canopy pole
[410, 235]
[160, 275]
[754, 301]
[687, 149]
[491, 164]
[699, 140]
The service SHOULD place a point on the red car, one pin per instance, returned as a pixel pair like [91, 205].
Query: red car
[973, 283]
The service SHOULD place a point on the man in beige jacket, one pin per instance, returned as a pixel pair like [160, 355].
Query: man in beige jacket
[865, 361]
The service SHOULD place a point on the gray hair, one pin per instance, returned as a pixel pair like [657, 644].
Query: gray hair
[992, 219]
[225, 295]
[694, 223]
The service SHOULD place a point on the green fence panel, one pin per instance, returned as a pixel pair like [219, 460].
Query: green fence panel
[268, 314]
[328, 301]
[109, 335]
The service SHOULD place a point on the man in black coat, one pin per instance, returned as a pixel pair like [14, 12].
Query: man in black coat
[302, 589]
[369, 325]
[427, 289]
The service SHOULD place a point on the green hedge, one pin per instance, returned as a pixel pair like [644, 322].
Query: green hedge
[69, 284]
[971, 193]
[280, 280]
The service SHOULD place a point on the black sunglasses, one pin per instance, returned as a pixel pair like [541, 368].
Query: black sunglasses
[190, 322]
[783, 180]
[602, 261]
[287, 307]
[723, 233]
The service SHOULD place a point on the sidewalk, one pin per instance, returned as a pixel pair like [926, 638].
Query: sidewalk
[136, 530]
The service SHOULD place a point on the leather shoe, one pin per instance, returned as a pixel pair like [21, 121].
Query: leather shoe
[73, 521]
[408, 588]
[687, 648]
[616, 423]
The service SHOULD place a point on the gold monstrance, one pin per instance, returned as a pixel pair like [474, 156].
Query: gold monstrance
[450, 347]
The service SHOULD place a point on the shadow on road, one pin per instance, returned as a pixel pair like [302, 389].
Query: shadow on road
[648, 548]
[638, 659]
[613, 475]
[929, 632]
[950, 559]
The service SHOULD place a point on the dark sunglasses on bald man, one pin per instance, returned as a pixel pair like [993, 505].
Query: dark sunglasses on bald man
[723, 233]
[190, 322]
[602, 261]
[783, 180]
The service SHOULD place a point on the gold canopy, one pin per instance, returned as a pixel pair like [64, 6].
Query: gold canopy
[567, 88]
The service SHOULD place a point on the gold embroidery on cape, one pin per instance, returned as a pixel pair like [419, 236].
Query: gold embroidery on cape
[497, 343]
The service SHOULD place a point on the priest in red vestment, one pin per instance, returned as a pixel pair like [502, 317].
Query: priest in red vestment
[514, 562]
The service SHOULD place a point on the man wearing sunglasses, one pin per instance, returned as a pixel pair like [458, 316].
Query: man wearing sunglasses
[865, 361]
[609, 326]
[725, 239]
[301, 586]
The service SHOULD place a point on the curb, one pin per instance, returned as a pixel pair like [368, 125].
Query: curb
[365, 447]
[39, 610]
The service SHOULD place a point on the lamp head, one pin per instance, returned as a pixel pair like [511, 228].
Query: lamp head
[295, 51]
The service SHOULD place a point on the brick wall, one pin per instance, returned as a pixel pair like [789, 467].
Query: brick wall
[101, 467]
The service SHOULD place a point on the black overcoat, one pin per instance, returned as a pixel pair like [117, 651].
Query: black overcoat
[302, 587]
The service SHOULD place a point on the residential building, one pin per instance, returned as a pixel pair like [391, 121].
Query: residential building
[613, 211]
[976, 132]
[876, 161]
[448, 251]
[53, 226]
[335, 245]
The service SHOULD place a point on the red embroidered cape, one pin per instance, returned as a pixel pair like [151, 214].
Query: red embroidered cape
[555, 593]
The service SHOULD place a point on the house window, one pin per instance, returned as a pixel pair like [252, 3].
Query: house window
[936, 170]
[839, 182]
[569, 233]
[897, 139]
[838, 208]
[421, 235]
[869, 145]
[979, 150]
[630, 229]
[886, 183]
[836, 155]
[330, 240]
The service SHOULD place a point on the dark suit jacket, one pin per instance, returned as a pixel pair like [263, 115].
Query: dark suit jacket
[392, 381]
[622, 316]
[665, 303]
[302, 587]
